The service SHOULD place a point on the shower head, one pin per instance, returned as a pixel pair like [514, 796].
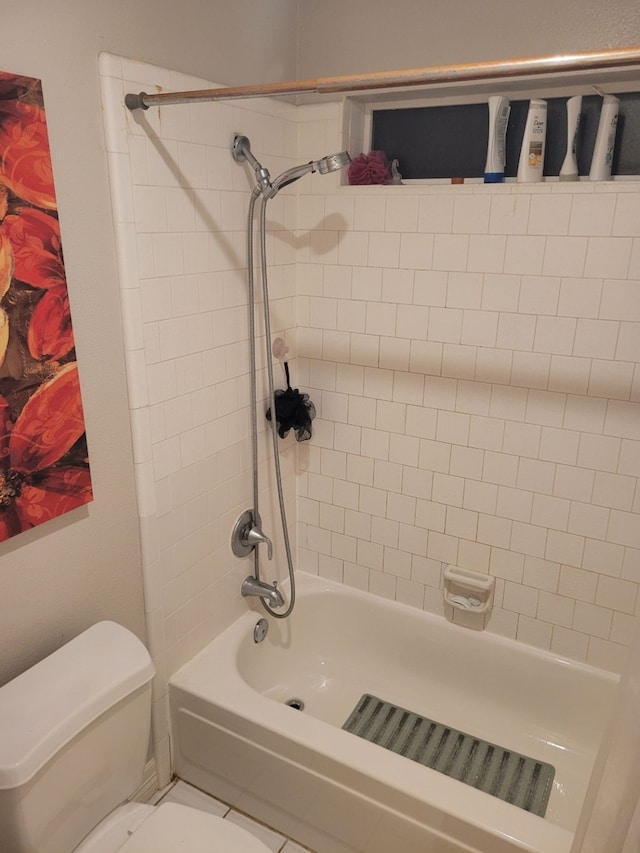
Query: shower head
[241, 151]
[333, 162]
[327, 164]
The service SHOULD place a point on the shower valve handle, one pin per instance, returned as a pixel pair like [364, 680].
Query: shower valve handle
[255, 536]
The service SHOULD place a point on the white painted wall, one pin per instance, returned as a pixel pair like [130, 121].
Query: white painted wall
[356, 36]
[85, 566]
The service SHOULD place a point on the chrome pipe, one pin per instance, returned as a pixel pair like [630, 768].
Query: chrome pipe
[623, 57]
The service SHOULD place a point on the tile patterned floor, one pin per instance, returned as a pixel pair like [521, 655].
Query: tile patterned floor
[186, 795]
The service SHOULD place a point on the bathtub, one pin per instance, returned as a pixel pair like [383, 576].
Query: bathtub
[234, 736]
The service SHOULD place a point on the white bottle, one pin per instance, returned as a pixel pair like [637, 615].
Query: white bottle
[499, 109]
[602, 159]
[569, 169]
[532, 152]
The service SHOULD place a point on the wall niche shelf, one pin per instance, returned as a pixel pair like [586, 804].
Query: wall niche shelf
[442, 133]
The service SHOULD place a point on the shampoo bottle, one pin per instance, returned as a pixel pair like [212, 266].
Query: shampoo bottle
[532, 151]
[499, 109]
[569, 169]
[602, 159]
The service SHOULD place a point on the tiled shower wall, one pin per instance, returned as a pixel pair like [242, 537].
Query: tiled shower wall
[474, 351]
[180, 204]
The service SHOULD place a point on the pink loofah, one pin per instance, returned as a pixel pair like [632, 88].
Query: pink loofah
[371, 168]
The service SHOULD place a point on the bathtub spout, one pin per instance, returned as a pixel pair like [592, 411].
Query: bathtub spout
[252, 586]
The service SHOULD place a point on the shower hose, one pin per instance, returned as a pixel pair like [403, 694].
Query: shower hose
[254, 393]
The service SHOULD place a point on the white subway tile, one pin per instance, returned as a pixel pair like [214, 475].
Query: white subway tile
[479, 328]
[629, 461]
[565, 256]
[607, 655]
[539, 295]
[467, 462]
[516, 331]
[416, 251]
[592, 620]
[384, 250]
[370, 212]
[486, 253]
[528, 539]
[555, 335]
[435, 214]
[580, 297]
[611, 379]
[520, 599]
[549, 214]
[509, 214]
[566, 548]
[430, 287]
[578, 584]
[381, 318]
[558, 445]
[394, 352]
[556, 609]
[450, 252]
[445, 324]
[442, 547]
[397, 286]
[493, 530]
[533, 632]
[592, 214]
[412, 321]
[370, 555]
[515, 504]
[626, 220]
[430, 515]
[620, 300]
[536, 476]
[616, 594]
[500, 293]
[524, 255]
[569, 643]
[608, 257]
[426, 358]
[623, 419]
[569, 374]
[364, 349]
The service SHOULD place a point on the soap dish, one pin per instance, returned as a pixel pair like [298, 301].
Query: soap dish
[467, 590]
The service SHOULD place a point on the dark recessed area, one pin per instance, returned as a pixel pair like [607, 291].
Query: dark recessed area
[451, 141]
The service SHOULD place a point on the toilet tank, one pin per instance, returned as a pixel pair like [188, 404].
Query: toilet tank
[74, 736]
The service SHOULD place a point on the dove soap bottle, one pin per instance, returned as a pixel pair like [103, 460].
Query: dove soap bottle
[532, 152]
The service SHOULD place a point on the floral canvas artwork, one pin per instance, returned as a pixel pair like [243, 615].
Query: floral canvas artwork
[44, 465]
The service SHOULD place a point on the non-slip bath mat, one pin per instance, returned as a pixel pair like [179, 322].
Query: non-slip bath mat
[517, 779]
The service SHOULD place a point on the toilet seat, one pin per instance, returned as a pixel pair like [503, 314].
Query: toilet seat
[174, 828]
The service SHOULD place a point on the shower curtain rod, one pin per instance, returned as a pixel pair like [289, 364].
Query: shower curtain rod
[493, 70]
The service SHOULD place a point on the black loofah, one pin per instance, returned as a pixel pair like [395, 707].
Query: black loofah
[294, 410]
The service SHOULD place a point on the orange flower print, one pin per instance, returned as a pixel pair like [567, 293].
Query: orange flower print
[35, 483]
[25, 159]
[37, 260]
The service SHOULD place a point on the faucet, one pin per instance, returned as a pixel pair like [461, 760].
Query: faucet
[253, 586]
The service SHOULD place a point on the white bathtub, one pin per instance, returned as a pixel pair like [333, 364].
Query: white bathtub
[234, 736]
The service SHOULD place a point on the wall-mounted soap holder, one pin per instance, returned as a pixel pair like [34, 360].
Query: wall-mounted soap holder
[467, 590]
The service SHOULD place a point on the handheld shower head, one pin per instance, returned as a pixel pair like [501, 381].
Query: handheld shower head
[333, 162]
[241, 151]
[324, 166]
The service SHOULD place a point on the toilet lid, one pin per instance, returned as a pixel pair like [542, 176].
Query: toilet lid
[174, 828]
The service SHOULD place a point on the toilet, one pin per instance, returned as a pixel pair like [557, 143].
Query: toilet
[74, 736]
